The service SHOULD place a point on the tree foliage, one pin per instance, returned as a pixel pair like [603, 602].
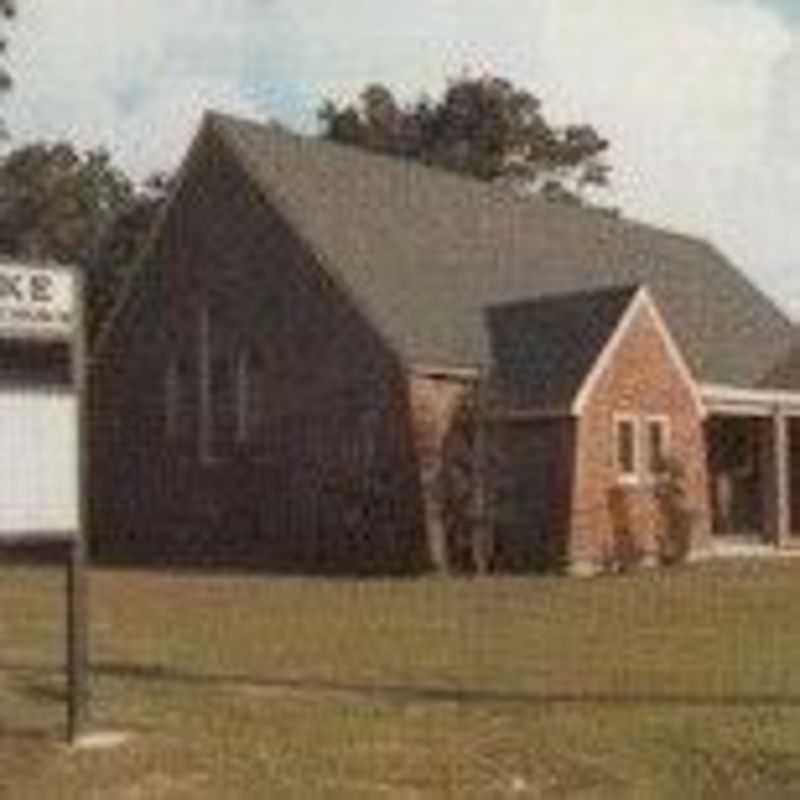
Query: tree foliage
[119, 247]
[484, 127]
[59, 204]
[8, 10]
[55, 202]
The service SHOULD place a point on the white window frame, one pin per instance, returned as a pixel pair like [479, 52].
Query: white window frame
[623, 476]
[666, 442]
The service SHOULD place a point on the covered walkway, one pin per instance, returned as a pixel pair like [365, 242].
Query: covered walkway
[753, 446]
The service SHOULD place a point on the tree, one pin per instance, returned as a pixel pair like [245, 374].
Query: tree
[121, 243]
[484, 127]
[55, 202]
[79, 208]
[8, 10]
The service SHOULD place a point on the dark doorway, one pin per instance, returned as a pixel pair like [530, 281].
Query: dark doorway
[794, 476]
[736, 473]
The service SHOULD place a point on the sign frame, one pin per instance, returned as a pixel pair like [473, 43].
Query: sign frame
[72, 544]
[39, 315]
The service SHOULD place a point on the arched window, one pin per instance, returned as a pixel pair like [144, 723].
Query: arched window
[217, 391]
[251, 401]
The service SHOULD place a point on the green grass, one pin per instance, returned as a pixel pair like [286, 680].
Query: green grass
[681, 683]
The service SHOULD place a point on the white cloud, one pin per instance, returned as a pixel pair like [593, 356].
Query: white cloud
[700, 98]
[686, 92]
[133, 76]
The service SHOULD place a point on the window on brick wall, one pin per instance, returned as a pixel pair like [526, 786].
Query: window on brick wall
[626, 447]
[657, 443]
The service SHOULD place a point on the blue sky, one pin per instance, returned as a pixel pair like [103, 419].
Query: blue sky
[700, 98]
[788, 10]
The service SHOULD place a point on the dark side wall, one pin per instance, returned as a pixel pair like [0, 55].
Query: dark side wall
[534, 466]
[324, 476]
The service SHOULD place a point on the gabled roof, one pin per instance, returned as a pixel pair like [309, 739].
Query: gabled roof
[425, 253]
[544, 350]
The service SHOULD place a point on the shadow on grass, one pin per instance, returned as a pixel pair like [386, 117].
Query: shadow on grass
[159, 673]
[14, 733]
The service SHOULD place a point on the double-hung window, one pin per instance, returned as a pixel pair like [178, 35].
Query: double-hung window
[657, 443]
[641, 447]
[626, 447]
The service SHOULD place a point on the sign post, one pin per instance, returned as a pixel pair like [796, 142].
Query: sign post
[77, 594]
[77, 642]
[42, 447]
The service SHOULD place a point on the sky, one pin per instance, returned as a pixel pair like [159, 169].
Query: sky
[699, 98]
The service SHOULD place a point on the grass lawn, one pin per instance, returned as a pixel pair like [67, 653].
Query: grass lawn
[681, 683]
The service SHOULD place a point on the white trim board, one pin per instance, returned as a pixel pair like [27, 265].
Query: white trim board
[722, 399]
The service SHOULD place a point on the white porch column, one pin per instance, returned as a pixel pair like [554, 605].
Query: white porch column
[780, 445]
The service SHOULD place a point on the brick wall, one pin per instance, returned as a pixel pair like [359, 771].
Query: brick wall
[612, 521]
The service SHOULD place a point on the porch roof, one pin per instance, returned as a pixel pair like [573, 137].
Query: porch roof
[747, 402]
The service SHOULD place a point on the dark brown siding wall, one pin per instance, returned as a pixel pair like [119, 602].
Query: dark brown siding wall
[328, 481]
[534, 466]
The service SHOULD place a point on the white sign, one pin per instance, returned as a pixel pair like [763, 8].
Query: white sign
[39, 484]
[36, 301]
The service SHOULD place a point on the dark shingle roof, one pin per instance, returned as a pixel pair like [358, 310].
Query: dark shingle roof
[426, 253]
[785, 371]
[544, 349]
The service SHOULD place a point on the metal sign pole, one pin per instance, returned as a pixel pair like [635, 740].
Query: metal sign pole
[76, 584]
[77, 642]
